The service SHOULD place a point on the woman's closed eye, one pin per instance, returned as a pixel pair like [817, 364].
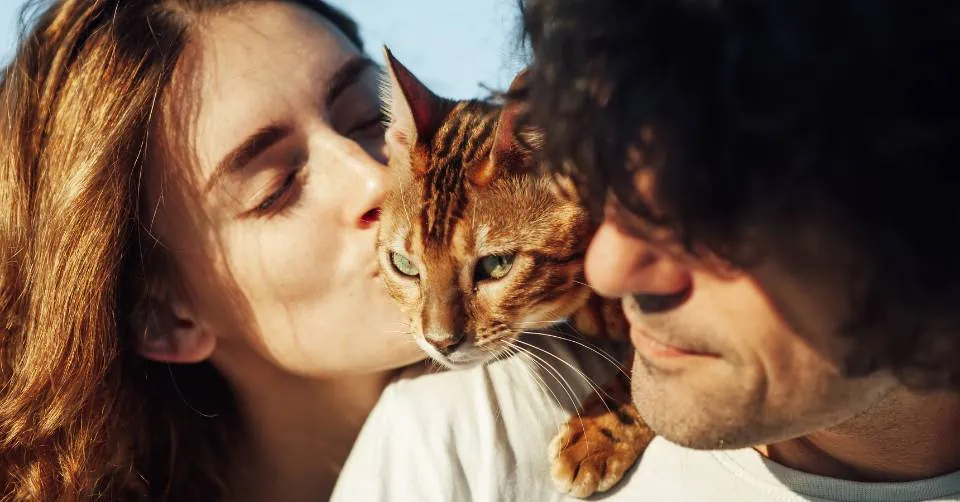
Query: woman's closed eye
[357, 112]
[282, 197]
[371, 127]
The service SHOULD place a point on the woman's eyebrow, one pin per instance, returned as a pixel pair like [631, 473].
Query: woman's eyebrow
[266, 136]
[345, 76]
[249, 149]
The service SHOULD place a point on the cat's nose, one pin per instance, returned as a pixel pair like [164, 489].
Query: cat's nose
[448, 344]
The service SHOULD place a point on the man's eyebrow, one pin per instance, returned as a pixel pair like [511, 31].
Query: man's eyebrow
[255, 144]
[345, 76]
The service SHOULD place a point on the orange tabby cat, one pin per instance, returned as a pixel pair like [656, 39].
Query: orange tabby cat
[476, 244]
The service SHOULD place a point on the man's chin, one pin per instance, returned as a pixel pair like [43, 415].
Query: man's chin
[691, 428]
[695, 422]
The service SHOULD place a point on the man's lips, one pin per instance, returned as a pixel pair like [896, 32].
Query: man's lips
[650, 346]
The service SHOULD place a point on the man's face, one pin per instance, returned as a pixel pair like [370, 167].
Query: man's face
[728, 359]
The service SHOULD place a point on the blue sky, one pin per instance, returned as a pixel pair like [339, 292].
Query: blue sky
[452, 45]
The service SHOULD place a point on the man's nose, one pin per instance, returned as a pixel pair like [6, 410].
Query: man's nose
[620, 264]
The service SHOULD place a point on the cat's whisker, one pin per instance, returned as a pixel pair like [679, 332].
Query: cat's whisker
[600, 352]
[488, 349]
[537, 369]
[593, 385]
[434, 366]
[575, 330]
[559, 378]
[536, 378]
[505, 354]
[524, 323]
[553, 372]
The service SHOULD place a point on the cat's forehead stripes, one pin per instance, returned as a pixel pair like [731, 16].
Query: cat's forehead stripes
[464, 139]
[478, 145]
[466, 127]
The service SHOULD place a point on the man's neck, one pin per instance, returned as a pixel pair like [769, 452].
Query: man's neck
[906, 437]
[298, 431]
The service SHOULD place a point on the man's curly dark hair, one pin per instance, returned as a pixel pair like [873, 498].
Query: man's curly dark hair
[773, 121]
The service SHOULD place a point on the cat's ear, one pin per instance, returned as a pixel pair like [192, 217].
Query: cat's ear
[512, 143]
[413, 110]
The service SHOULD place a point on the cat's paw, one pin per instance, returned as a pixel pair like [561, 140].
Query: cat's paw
[592, 453]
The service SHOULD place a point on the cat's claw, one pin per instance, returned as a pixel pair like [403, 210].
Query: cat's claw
[592, 454]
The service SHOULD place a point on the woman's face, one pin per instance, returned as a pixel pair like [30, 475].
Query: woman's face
[264, 183]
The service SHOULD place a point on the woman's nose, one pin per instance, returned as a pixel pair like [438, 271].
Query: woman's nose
[366, 195]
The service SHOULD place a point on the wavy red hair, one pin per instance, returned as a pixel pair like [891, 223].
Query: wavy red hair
[81, 415]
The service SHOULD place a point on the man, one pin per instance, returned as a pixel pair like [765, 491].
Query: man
[779, 181]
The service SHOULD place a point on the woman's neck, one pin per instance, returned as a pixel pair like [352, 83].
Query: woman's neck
[297, 431]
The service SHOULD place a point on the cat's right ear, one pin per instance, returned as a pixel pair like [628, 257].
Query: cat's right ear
[513, 142]
[413, 110]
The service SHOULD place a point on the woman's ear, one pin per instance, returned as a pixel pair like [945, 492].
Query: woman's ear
[169, 332]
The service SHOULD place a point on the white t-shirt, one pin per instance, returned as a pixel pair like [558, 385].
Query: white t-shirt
[482, 435]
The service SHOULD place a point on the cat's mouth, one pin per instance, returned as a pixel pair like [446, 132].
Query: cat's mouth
[466, 355]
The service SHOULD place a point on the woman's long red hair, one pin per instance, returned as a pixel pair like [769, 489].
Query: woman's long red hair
[81, 416]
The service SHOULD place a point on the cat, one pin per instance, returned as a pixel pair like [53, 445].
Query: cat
[476, 243]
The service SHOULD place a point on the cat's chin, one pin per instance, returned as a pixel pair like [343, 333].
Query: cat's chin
[458, 366]
[463, 359]
[458, 361]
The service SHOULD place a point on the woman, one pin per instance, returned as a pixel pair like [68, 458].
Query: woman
[192, 182]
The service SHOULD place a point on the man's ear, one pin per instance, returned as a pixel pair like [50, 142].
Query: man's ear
[167, 331]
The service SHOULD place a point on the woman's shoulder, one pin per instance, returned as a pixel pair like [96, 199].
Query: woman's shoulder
[473, 431]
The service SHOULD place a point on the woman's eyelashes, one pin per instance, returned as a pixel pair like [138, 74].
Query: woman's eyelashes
[284, 196]
[372, 126]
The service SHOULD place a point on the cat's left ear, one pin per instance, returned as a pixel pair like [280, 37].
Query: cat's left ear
[414, 111]
[512, 143]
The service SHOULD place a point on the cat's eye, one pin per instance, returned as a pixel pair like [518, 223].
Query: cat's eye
[403, 265]
[493, 267]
